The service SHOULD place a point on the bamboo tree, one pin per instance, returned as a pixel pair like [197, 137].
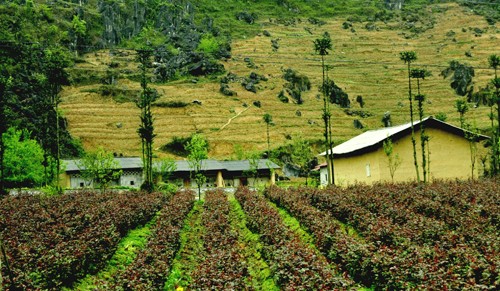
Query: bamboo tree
[420, 74]
[322, 47]
[146, 129]
[408, 57]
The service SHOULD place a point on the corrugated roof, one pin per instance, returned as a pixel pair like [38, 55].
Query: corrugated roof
[183, 166]
[124, 163]
[231, 166]
[373, 137]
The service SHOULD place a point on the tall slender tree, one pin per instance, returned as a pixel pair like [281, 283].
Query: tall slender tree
[146, 129]
[5, 81]
[268, 119]
[54, 64]
[408, 57]
[494, 62]
[420, 75]
[322, 46]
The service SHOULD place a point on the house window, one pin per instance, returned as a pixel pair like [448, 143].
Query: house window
[368, 172]
[82, 184]
[132, 183]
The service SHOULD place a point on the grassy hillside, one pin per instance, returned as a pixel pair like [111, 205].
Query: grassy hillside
[365, 63]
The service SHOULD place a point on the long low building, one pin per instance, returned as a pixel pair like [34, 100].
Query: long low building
[227, 173]
[218, 173]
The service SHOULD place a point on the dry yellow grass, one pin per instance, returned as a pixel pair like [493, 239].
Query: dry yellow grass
[364, 63]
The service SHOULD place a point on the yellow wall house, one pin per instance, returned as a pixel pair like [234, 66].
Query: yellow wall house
[449, 153]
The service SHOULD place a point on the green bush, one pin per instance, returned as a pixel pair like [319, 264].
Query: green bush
[208, 45]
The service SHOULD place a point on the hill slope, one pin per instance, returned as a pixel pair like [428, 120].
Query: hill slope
[365, 63]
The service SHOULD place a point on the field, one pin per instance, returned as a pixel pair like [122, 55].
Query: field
[394, 236]
[364, 63]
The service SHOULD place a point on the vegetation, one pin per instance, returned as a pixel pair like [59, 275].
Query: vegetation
[268, 119]
[322, 46]
[302, 156]
[22, 160]
[31, 81]
[393, 159]
[384, 236]
[408, 235]
[198, 152]
[420, 75]
[494, 62]
[408, 57]
[153, 263]
[52, 242]
[292, 261]
[146, 129]
[99, 168]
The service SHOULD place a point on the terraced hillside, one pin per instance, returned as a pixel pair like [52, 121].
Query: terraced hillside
[364, 63]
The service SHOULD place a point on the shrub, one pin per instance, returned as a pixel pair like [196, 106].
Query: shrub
[171, 104]
[208, 45]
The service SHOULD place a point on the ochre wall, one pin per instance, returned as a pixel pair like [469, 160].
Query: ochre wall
[450, 158]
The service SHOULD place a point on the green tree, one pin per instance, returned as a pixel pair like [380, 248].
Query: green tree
[393, 160]
[472, 135]
[322, 46]
[268, 119]
[420, 75]
[164, 169]
[462, 108]
[198, 152]
[5, 82]
[408, 57]
[302, 155]
[494, 62]
[55, 62]
[23, 158]
[79, 29]
[461, 78]
[146, 129]
[253, 158]
[100, 167]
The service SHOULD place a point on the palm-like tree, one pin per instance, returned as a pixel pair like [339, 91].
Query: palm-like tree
[322, 46]
[420, 74]
[408, 57]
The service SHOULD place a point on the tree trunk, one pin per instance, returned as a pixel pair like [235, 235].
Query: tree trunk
[413, 141]
[268, 142]
[58, 142]
[2, 176]
[325, 119]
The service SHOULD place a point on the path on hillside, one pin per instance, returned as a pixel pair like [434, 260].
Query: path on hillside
[231, 119]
